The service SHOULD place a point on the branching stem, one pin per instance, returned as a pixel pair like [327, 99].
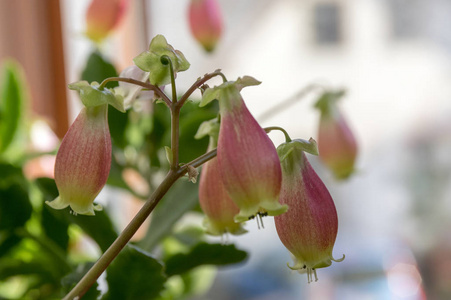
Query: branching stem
[173, 175]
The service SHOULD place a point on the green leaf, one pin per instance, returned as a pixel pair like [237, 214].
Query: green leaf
[15, 207]
[98, 68]
[69, 281]
[150, 61]
[181, 198]
[55, 227]
[190, 120]
[100, 227]
[13, 267]
[204, 254]
[134, 274]
[12, 101]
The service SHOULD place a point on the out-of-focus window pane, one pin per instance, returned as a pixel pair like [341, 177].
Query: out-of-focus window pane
[327, 23]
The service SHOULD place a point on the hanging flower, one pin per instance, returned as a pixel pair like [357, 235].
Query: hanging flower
[216, 204]
[102, 16]
[248, 161]
[205, 22]
[83, 161]
[336, 142]
[309, 228]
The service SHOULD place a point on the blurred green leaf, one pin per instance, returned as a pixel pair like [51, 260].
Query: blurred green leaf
[190, 121]
[181, 198]
[204, 254]
[99, 227]
[10, 174]
[55, 227]
[98, 68]
[10, 267]
[15, 207]
[70, 280]
[134, 274]
[12, 98]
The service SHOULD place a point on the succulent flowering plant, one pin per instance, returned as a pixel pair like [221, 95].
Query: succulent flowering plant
[309, 228]
[243, 175]
[336, 141]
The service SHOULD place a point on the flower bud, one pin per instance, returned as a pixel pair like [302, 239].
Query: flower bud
[336, 142]
[102, 16]
[205, 22]
[309, 228]
[248, 160]
[83, 161]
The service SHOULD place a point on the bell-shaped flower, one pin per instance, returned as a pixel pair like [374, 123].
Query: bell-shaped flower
[205, 22]
[103, 16]
[248, 161]
[309, 228]
[336, 142]
[83, 161]
[214, 200]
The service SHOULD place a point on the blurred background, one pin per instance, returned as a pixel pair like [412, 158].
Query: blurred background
[393, 57]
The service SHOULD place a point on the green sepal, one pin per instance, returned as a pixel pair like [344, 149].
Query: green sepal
[285, 149]
[150, 61]
[91, 95]
[208, 128]
[215, 93]
[326, 102]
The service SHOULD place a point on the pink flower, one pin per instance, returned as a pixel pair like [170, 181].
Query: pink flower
[205, 22]
[102, 16]
[83, 161]
[336, 142]
[248, 160]
[216, 203]
[309, 228]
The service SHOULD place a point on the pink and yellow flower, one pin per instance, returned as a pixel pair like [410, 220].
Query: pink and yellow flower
[309, 228]
[83, 161]
[103, 16]
[336, 142]
[205, 22]
[216, 204]
[248, 161]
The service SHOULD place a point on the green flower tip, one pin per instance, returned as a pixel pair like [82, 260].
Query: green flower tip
[88, 210]
[222, 91]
